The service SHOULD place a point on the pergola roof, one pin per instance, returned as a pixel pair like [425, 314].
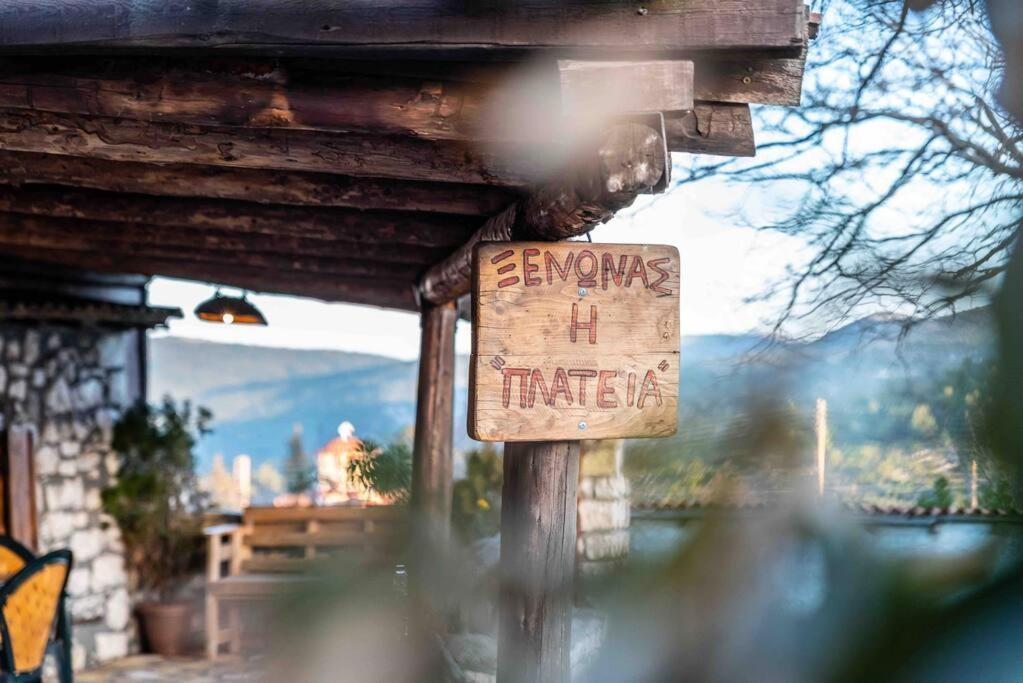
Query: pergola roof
[353, 151]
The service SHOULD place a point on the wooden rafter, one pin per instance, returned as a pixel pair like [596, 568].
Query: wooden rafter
[712, 128]
[91, 250]
[246, 96]
[396, 25]
[252, 185]
[144, 238]
[374, 291]
[380, 156]
[242, 218]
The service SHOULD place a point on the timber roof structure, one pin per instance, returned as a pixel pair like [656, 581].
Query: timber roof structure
[356, 151]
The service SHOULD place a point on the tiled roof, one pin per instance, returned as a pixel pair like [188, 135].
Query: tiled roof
[87, 312]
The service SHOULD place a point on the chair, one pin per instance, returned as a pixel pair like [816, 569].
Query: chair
[31, 605]
[14, 556]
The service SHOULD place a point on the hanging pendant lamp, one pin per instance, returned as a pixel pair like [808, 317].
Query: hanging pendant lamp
[229, 310]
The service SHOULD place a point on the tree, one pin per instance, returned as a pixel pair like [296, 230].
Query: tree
[386, 471]
[900, 170]
[299, 473]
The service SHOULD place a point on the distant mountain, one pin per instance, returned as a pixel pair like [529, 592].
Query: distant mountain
[257, 394]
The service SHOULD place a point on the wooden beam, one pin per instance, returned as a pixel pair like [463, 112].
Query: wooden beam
[712, 128]
[252, 185]
[538, 523]
[751, 78]
[572, 25]
[248, 94]
[251, 95]
[622, 87]
[631, 158]
[387, 293]
[747, 76]
[18, 484]
[121, 250]
[432, 451]
[346, 154]
[243, 218]
[67, 233]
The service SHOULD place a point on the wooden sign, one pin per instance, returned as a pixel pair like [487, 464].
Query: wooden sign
[573, 340]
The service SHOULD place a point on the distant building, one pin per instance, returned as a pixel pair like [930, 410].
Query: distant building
[241, 471]
[332, 485]
[230, 490]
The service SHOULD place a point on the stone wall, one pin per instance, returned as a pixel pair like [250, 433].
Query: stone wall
[603, 507]
[70, 384]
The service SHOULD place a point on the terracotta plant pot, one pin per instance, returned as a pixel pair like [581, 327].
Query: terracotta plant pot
[167, 627]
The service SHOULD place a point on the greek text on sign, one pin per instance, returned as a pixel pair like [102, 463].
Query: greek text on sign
[573, 340]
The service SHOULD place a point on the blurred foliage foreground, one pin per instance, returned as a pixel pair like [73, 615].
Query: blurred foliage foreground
[905, 447]
[794, 593]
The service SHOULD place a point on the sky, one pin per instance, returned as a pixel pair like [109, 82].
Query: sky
[723, 264]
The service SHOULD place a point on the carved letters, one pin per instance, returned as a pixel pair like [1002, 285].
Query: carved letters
[573, 340]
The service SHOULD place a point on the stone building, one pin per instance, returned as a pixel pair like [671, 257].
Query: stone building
[603, 507]
[72, 357]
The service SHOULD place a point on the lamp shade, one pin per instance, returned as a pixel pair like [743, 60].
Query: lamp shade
[229, 310]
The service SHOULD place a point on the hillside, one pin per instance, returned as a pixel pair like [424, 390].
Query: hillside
[257, 394]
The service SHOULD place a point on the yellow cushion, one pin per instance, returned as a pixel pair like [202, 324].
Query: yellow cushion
[31, 612]
[10, 563]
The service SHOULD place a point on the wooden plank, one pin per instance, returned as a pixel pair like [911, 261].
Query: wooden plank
[610, 26]
[75, 233]
[573, 341]
[326, 514]
[19, 480]
[242, 218]
[387, 293]
[254, 94]
[538, 522]
[433, 450]
[573, 397]
[712, 128]
[265, 148]
[254, 581]
[437, 106]
[526, 291]
[252, 185]
[590, 88]
[750, 78]
[747, 76]
[274, 565]
[264, 538]
[21, 232]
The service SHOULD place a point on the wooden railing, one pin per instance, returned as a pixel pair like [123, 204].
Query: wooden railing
[248, 561]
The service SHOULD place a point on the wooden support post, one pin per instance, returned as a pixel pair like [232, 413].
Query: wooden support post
[18, 477]
[538, 520]
[431, 464]
[213, 562]
[822, 443]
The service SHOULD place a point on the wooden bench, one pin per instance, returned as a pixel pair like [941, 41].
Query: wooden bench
[275, 547]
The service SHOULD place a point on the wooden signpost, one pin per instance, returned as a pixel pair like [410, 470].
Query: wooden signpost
[573, 340]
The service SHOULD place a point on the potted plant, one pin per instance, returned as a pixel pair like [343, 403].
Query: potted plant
[158, 506]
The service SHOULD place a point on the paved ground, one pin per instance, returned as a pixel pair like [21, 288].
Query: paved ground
[153, 669]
